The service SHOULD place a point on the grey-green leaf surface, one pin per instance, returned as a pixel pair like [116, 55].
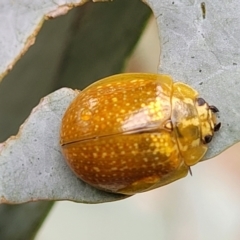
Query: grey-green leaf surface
[20, 22]
[200, 46]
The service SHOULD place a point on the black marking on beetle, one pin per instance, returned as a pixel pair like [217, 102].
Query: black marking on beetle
[200, 101]
[217, 127]
[207, 138]
[213, 109]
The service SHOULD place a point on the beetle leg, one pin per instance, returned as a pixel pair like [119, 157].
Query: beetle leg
[190, 170]
[213, 109]
[217, 127]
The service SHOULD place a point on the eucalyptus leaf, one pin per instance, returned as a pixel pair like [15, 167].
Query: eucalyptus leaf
[20, 22]
[200, 46]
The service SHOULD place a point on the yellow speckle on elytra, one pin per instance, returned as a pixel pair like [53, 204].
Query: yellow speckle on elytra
[86, 114]
[167, 154]
[158, 145]
[96, 169]
[104, 154]
[136, 145]
[134, 152]
[119, 119]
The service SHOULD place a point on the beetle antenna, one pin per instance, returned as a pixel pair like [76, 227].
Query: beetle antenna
[190, 170]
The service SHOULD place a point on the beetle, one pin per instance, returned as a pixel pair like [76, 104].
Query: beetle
[133, 132]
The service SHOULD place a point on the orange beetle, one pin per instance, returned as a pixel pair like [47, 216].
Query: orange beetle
[134, 132]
